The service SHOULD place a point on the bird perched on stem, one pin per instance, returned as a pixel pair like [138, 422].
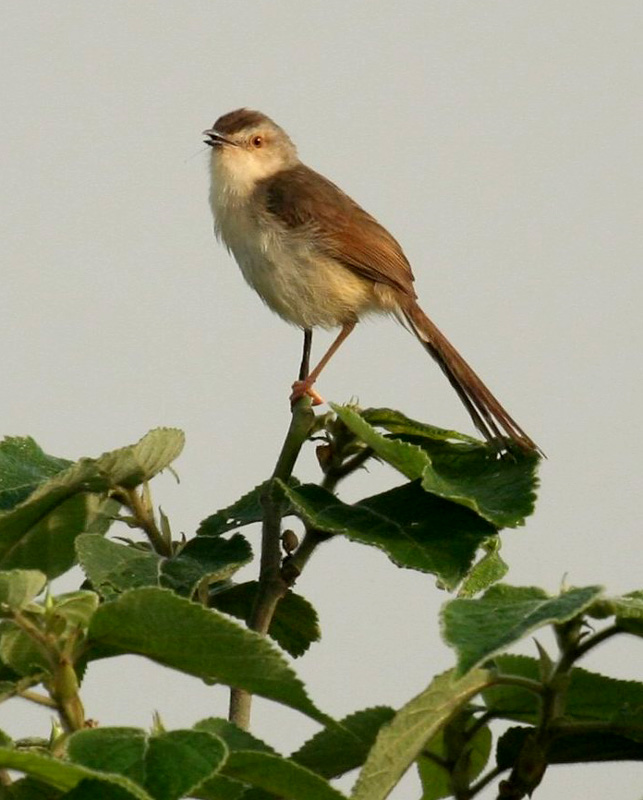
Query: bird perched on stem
[318, 259]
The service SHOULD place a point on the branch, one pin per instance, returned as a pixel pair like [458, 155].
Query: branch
[144, 517]
[272, 586]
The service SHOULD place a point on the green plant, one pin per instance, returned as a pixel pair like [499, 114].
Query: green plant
[175, 602]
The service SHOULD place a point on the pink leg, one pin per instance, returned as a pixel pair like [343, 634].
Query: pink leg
[305, 386]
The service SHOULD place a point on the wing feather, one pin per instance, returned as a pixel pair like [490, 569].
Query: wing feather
[304, 200]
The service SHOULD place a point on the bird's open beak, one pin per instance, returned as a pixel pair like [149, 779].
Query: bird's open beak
[215, 139]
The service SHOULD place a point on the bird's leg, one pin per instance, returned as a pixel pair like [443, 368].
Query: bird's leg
[305, 385]
[304, 369]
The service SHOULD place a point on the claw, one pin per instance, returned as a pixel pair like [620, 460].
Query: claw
[301, 388]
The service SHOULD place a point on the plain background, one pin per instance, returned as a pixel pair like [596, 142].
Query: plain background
[500, 142]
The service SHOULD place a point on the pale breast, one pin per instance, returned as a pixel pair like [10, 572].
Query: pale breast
[302, 285]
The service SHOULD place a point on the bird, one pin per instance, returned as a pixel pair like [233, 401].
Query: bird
[319, 260]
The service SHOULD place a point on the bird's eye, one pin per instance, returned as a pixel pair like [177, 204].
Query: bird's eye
[257, 141]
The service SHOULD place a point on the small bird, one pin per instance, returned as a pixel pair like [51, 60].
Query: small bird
[318, 259]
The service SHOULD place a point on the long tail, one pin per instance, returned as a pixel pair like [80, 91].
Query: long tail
[489, 417]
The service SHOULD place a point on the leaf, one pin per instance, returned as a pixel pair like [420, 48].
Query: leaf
[628, 610]
[64, 775]
[294, 626]
[345, 746]
[23, 467]
[399, 742]
[234, 737]
[76, 608]
[245, 511]
[280, 776]
[488, 570]
[31, 789]
[570, 749]
[210, 557]
[499, 489]
[591, 697]
[415, 529]
[397, 423]
[47, 543]
[19, 652]
[479, 628]
[40, 531]
[93, 788]
[113, 567]
[218, 787]
[19, 587]
[136, 463]
[118, 749]
[178, 761]
[168, 765]
[183, 635]
[437, 782]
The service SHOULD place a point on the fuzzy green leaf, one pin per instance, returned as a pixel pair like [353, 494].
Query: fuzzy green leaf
[47, 542]
[590, 696]
[400, 425]
[245, 511]
[186, 636]
[488, 570]
[501, 490]
[234, 737]
[23, 467]
[436, 780]
[345, 746]
[113, 567]
[40, 531]
[482, 627]
[280, 776]
[414, 528]
[570, 749]
[64, 775]
[294, 626]
[136, 463]
[19, 652]
[211, 557]
[400, 742]
[168, 765]
[19, 587]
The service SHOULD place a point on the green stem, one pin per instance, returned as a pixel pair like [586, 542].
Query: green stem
[485, 780]
[272, 586]
[313, 538]
[144, 519]
[575, 654]
[38, 637]
[34, 697]
[336, 474]
[535, 687]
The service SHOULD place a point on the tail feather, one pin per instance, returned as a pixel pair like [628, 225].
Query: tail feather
[489, 417]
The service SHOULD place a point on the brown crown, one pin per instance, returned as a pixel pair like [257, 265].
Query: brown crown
[238, 120]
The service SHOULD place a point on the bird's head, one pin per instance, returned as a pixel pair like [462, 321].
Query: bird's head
[248, 147]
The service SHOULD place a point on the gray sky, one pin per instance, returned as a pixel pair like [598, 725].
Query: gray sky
[500, 142]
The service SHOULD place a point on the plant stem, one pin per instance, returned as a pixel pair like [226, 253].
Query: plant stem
[144, 519]
[585, 646]
[272, 586]
[517, 680]
[485, 780]
[34, 697]
[313, 538]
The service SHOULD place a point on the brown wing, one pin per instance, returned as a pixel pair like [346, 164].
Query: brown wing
[301, 198]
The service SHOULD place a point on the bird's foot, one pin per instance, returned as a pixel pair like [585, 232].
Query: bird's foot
[302, 388]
